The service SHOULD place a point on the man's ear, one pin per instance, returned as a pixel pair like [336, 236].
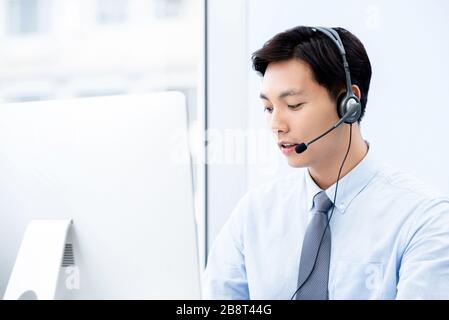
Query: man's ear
[356, 91]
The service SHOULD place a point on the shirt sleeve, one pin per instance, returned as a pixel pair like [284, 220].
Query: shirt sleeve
[424, 270]
[225, 274]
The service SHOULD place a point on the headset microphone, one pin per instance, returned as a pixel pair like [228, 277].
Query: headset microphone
[352, 108]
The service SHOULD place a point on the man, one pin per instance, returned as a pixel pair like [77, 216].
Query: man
[343, 226]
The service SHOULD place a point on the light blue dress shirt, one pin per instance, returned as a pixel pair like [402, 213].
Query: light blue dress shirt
[390, 238]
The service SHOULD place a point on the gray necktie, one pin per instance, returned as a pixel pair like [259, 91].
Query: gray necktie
[314, 281]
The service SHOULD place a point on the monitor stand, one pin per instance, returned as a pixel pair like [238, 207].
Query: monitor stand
[38, 264]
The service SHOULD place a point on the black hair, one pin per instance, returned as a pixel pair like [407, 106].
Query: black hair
[322, 56]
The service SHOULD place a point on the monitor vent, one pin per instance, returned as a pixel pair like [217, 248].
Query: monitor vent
[68, 259]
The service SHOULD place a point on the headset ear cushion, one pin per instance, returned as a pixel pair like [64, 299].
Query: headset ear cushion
[340, 108]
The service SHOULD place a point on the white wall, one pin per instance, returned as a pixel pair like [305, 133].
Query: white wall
[227, 97]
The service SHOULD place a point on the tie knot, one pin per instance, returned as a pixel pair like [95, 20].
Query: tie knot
[321, 202]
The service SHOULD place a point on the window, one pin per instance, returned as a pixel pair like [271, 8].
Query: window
[112, 11]
[27, 16]
[106, 47]
[167, 8]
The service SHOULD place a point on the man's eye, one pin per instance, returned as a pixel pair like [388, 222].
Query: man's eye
[268, 109]
[296, 106]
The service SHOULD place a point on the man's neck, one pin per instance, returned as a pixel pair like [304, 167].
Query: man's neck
[326, 173]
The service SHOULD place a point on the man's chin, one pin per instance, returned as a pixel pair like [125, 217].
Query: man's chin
[297, 163]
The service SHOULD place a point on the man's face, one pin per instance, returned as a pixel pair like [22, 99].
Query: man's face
[297, 110]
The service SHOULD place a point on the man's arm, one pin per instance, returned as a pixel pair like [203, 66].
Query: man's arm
[424, 271]
[225, 274]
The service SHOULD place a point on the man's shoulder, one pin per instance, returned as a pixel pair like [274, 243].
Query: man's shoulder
[399, 181]
[259, 206]
[280, 185]
[264, 197]
[420, 201]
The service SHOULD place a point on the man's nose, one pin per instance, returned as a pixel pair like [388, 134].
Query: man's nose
[278, 122]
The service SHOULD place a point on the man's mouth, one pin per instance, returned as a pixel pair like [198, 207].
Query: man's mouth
[288, 145]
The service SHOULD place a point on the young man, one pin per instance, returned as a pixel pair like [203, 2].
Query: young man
[344, 226]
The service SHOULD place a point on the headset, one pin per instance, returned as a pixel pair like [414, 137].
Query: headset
[349, 107]
[349, 111]
[349, 101]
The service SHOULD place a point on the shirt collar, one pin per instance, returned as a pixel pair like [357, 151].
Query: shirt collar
[348, 187]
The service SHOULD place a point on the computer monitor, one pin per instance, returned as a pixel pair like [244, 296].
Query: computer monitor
[119, 168]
